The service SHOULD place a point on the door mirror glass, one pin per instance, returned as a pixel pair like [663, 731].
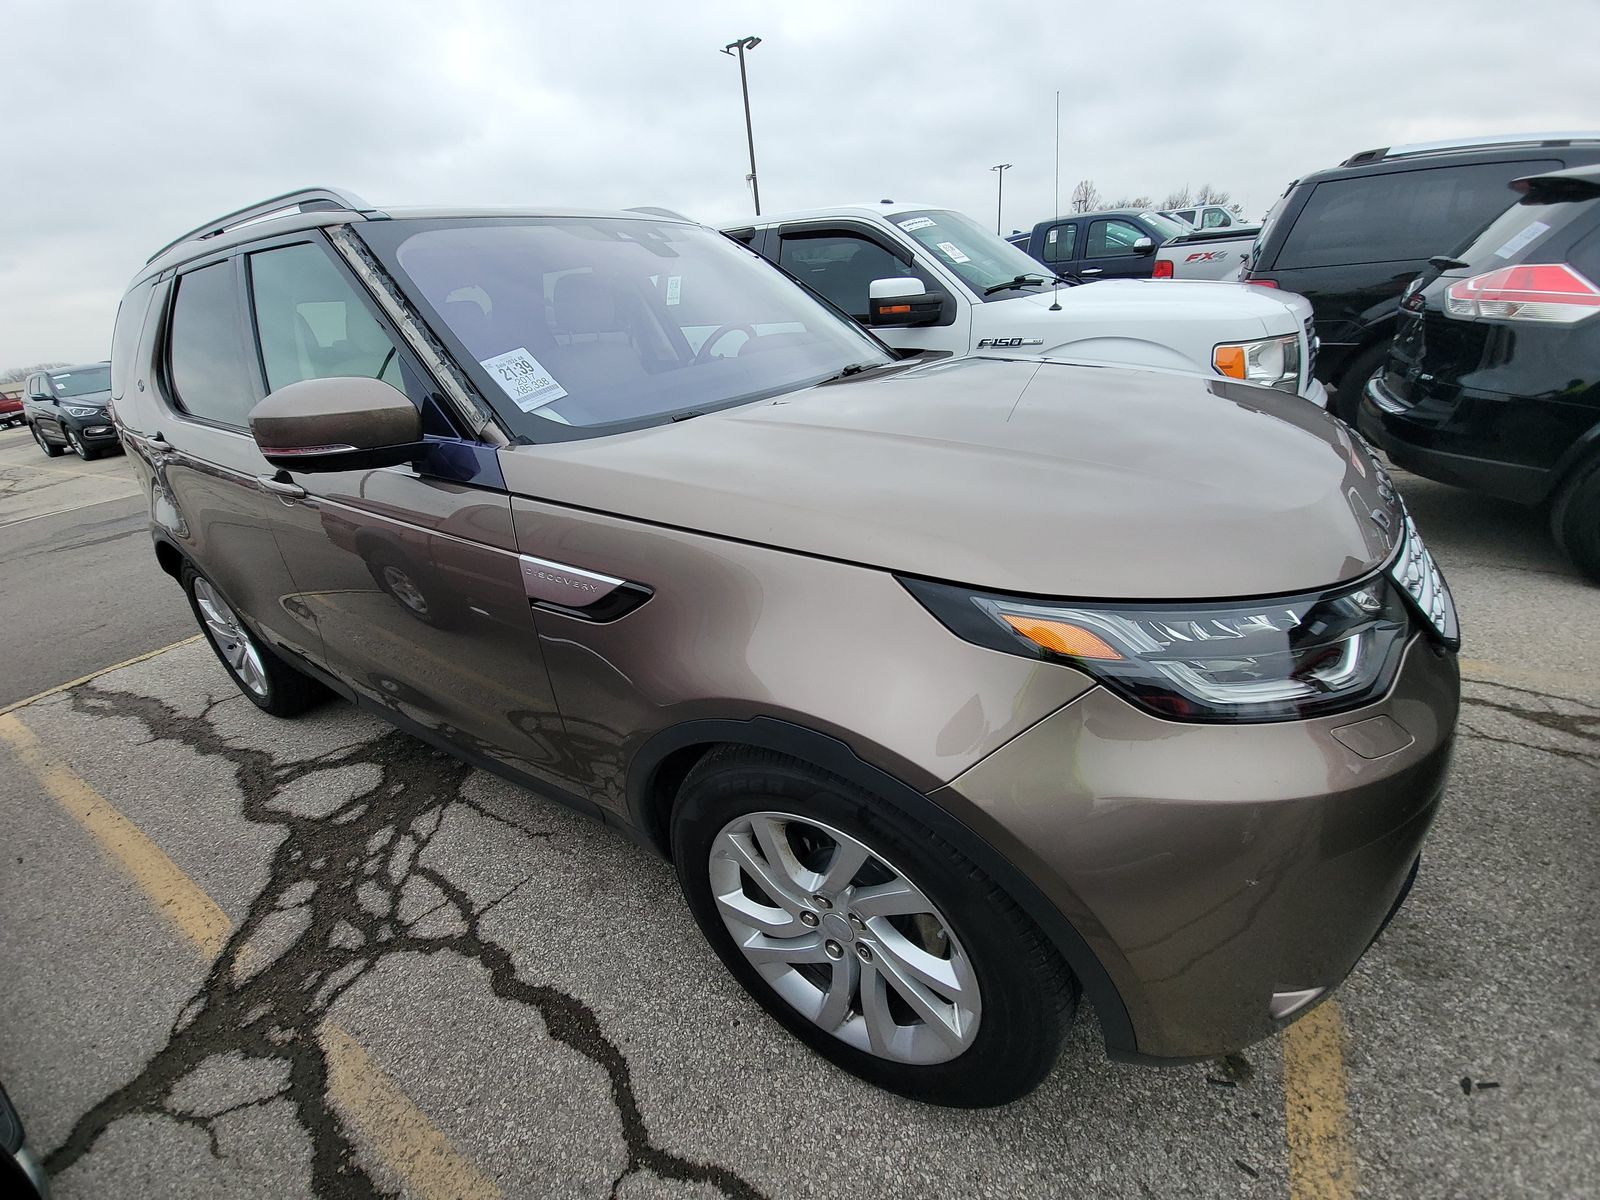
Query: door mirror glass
[339, 424]
[901, 302]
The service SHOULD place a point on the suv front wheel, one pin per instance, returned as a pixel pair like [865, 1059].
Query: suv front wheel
[880, 946]
[269, 682]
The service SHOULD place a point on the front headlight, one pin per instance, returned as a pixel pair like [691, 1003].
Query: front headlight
[1272, 361]
[79, 410]
[1416, 572]
[1240, 660]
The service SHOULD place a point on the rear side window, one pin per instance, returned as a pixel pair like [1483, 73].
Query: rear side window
[312, 324]
[205, 359]
[1399, 216]
[125, 337]
[1059, 243]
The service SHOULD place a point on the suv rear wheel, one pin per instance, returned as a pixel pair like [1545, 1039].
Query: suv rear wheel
[1347, 399]
[269, 682]
[869, 938]
[1575, 519]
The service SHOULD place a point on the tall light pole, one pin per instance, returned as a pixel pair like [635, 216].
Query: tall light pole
[1000, 194]
[743, 44]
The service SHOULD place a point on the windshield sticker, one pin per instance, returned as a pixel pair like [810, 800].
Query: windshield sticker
[953, 252]
[1522, 239]
[674, 288]
[916, 223]
[521, 377]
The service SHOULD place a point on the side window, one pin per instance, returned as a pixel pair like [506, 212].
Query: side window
[125, 337]
[1110, 237]
[1186, 214]
[1214, 219]
[311, 324]
[205, 360]
[1060, 243]
[1401, 215]
[840, 267]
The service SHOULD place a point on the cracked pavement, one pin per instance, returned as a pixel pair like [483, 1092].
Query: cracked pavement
[410, 939]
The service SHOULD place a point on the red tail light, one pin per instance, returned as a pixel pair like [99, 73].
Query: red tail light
[1163, 269]
[1548, 292]
[1272, 283]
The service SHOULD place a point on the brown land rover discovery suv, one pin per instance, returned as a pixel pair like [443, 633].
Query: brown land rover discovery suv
[954, 689]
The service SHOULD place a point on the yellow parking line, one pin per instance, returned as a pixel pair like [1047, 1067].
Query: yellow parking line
[72, 683]
[1316, 1112]
[398, 1131]
[194, 913]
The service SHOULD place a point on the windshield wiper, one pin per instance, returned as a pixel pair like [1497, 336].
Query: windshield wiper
[1019, 281]
[1444, 262]
[855, 369]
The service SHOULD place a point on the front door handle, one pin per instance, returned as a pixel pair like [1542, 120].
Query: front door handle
[1091, 271]
[286, 488]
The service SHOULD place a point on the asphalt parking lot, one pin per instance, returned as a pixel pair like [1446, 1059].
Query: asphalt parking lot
[246, 957]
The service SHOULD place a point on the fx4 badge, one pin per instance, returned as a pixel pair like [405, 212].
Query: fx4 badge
[1010, 342]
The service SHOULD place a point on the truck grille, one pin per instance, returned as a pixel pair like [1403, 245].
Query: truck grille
[1311, 349]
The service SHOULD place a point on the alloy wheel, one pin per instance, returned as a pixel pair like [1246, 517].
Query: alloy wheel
[231, 639]
[844, 937]
[403, 588]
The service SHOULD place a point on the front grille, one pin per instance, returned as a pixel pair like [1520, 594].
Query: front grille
[1311, 348]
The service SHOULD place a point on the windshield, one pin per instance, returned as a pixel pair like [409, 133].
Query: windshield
[981, 258]
[82, 382]
[572, 326]
[1167, 227]
[1514, 235]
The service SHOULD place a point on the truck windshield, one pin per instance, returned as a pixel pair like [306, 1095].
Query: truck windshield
[577, 326]
[982, 259]
[82, 382]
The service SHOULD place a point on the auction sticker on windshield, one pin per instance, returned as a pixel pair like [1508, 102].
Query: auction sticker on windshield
[521, 377]
[916, 223]
[953, 252]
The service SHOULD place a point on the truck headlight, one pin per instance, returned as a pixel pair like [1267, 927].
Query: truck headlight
[1274, 362]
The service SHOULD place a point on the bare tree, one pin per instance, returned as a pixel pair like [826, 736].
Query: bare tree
[1085, 197]
[1210, 195]
[1177, 199]
[1134, 202]
[12, 374]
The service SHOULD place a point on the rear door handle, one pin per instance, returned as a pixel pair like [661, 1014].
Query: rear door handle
[286, 488]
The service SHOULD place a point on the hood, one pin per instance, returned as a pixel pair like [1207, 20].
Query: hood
[88, 399]
[1170, 299]
[1012, 475]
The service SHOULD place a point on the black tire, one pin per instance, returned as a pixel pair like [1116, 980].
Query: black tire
[285, 692]
[1575, 519]
[1027, 993]
[51, 450]
[79, 448]
[1346, 400]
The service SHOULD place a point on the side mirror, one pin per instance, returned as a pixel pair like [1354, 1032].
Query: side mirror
[1143, 246]
[36, 394]
[351, 424]
[902, 302]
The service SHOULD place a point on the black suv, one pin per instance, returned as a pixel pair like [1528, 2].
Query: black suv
[1494, 378]
[1349, 239]
[67, 409]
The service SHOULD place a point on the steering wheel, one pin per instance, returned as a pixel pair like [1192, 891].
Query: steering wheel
[704, 355]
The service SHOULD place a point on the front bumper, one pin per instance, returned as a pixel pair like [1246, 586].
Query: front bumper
[1316, 393]
[1409, 441]
[93, 431]
[1225, 876]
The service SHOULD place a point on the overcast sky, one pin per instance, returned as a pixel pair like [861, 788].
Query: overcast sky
[126, 123]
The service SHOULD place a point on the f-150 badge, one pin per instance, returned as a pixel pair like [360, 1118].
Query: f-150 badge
[1010, 342]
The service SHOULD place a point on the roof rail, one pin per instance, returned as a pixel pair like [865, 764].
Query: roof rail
[1382, 153]
[655, 210]
[311, 199]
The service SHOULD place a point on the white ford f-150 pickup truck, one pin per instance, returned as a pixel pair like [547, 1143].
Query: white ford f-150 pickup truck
[925, 278]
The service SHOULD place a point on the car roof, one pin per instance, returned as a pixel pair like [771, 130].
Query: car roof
[1507, 148]
[859, 208]
[313, 208]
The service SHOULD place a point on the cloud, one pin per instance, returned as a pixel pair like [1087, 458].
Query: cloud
[146, 120]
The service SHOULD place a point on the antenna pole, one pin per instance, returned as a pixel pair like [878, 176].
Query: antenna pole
[1055, 292]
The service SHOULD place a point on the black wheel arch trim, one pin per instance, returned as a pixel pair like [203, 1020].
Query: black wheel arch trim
[832, 755]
